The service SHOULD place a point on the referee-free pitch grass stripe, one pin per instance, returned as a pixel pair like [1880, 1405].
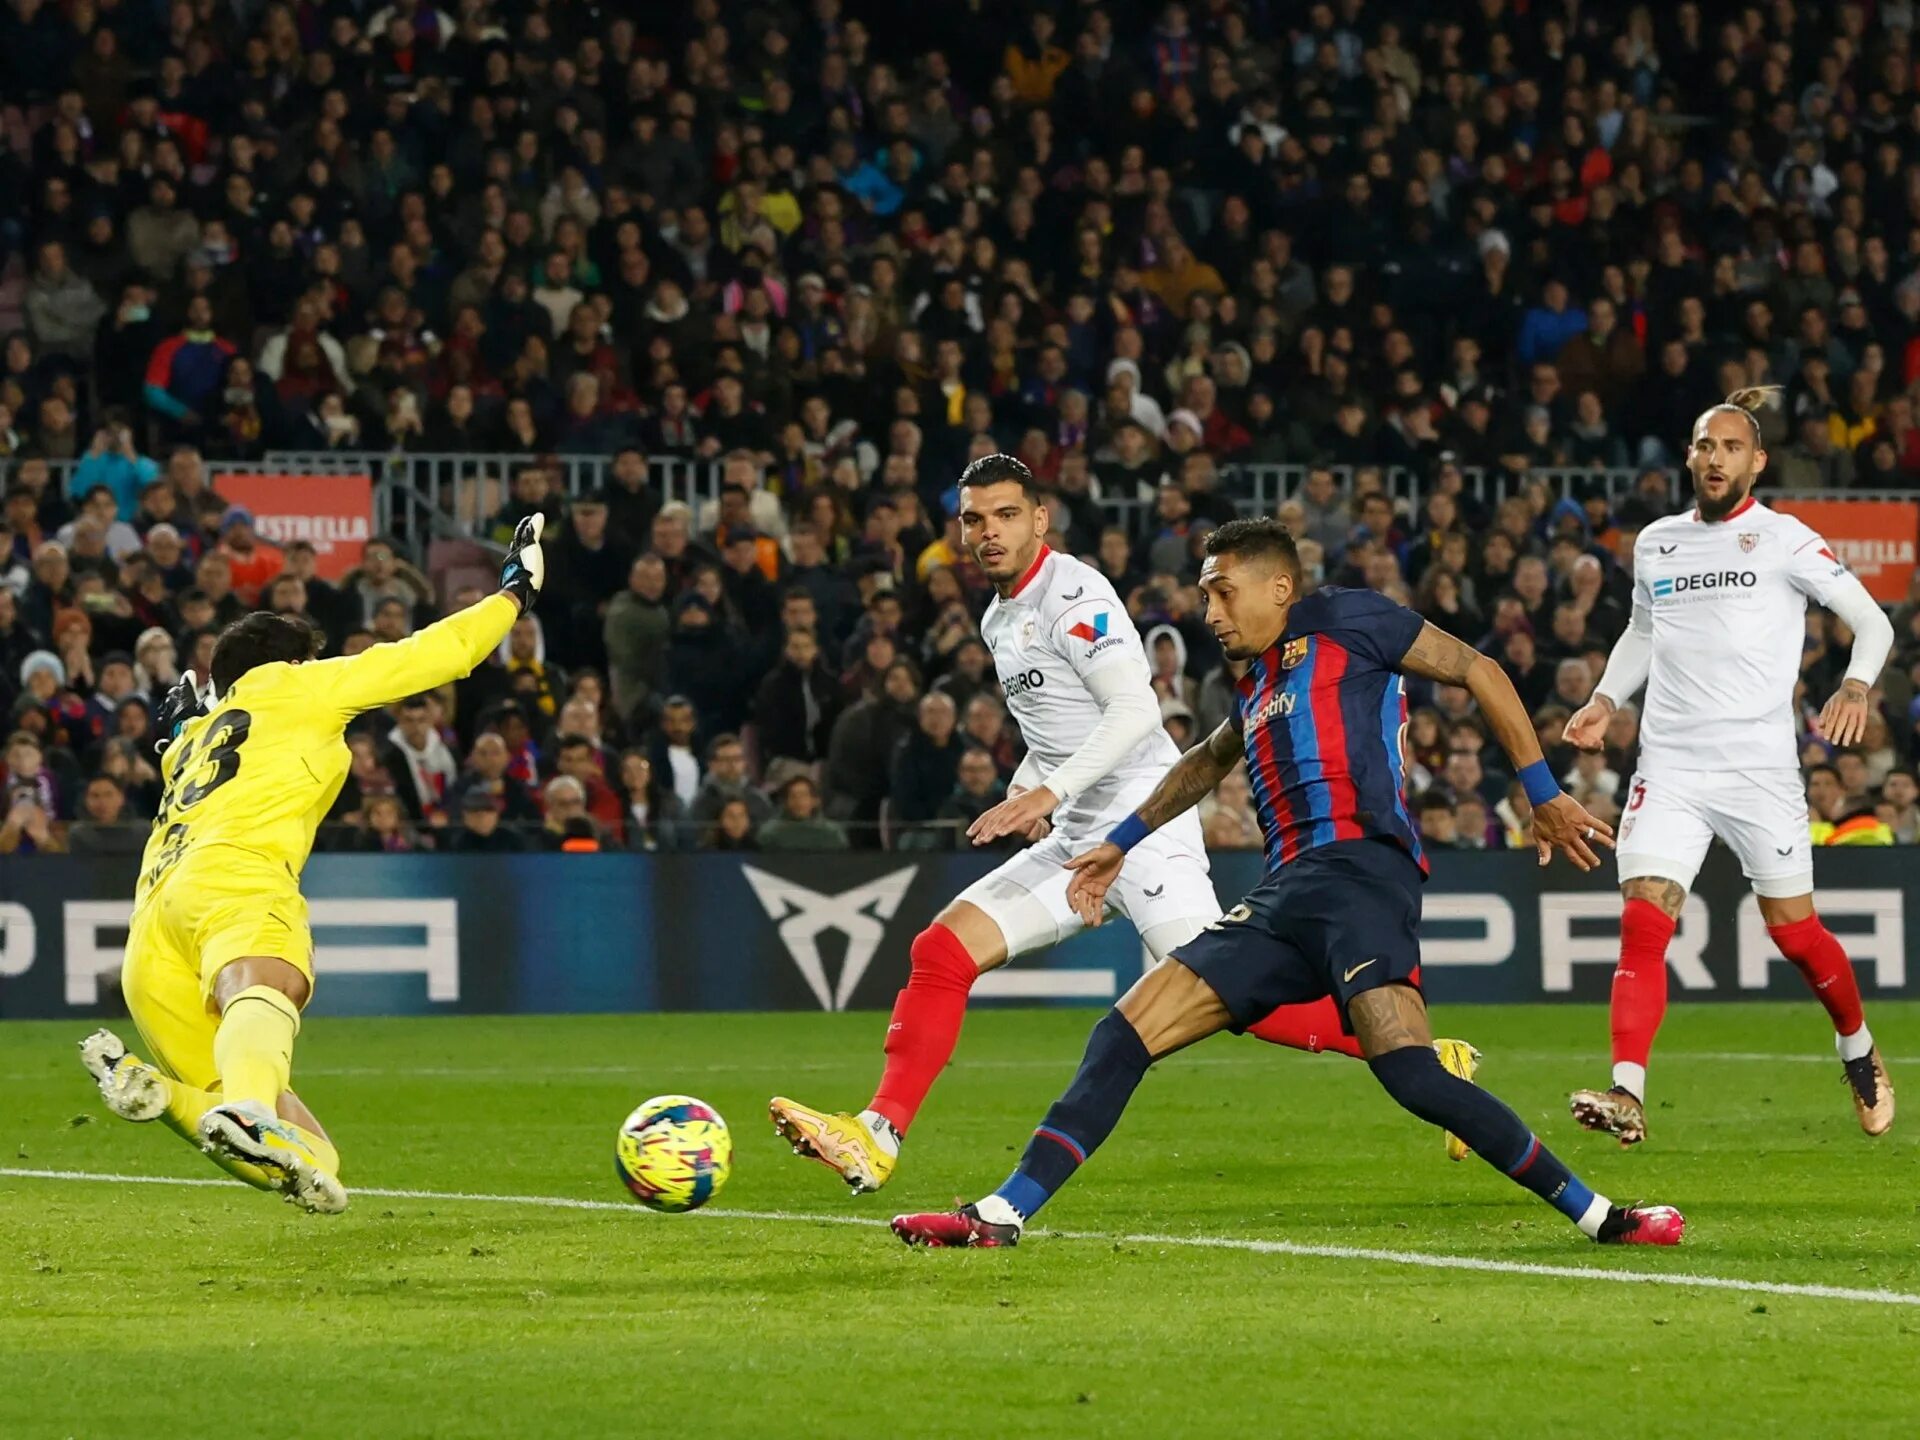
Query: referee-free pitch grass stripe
[1414, 1258]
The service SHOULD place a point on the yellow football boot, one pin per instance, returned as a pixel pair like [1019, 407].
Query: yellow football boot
[1457, 1057]
[838, 1140]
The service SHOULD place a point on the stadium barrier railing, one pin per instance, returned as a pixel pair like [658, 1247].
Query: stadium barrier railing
[420, 496]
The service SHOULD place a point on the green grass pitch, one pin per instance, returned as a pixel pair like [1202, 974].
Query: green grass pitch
[158, 1310]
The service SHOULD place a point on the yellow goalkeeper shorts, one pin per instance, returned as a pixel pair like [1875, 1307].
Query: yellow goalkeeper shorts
[220, 905]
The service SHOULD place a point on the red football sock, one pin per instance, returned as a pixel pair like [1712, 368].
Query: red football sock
[1818, 955]
[1313, 1027]
[1640, 981]
[926, 1023]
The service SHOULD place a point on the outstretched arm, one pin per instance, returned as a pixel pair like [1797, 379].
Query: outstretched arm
[1192, 777]
[425, 660]
[446, 649]
[1559, 821]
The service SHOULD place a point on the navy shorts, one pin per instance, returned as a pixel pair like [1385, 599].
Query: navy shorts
[1340, 920]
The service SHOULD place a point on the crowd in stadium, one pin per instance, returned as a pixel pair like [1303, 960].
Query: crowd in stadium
[835, 257]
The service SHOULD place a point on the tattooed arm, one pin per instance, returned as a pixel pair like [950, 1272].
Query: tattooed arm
[1559, 821]
[1438, 656]
[1193, 776]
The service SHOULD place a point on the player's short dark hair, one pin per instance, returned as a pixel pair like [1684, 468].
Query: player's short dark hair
[1436, 799]
[261, 638]
[1260, 538]
[998, 469]
[1813, 770]
[570, 741]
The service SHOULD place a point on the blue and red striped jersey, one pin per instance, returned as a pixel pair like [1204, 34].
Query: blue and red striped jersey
[1320, 715]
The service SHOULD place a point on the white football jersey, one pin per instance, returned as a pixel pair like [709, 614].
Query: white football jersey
[1728, 602]
[1063, 623]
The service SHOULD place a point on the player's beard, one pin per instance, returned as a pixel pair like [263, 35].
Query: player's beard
[1711, 510]
[1012, 565]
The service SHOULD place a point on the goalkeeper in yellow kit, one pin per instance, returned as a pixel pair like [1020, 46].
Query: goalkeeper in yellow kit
[219, 958]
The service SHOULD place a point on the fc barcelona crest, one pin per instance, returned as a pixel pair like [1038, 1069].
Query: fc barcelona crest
[1293, 652]
[1747, 541]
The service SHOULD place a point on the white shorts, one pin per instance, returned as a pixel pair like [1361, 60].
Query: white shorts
[1163, 889]
[1673, 815]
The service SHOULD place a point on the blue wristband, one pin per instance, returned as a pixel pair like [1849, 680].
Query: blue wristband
[1540, 785]
[1128, 833]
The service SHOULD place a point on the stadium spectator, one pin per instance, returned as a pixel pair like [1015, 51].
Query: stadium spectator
[732, 827]
[105, 827]
[480, 830]
[726, 781]
[653, 817]
[797, 704]
[798, 824]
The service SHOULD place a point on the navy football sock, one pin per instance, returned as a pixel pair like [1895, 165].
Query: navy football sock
[1414, 1076]
[1082, 1118]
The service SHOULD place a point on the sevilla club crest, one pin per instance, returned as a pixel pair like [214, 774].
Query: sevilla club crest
[1748, 540]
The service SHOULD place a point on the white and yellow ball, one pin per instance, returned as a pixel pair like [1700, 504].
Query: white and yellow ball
[674, 1153]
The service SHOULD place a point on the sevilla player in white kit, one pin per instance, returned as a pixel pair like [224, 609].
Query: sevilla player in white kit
[1719, 603]
[1076, 679]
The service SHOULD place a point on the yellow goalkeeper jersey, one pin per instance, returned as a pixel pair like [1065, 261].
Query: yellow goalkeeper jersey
[262, 768]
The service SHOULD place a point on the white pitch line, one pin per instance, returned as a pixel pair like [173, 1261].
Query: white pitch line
[1244, 1057]
[1413, 1258]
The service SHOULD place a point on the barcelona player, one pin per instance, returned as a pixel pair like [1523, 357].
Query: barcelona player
[1317, 717]
[1075, 676]
[219, 959]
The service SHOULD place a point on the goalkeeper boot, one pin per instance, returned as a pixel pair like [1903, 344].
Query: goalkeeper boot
[845, 1144]
[1618, 1111]
[133, 1089]
[1459, 1058]
[246, 1130]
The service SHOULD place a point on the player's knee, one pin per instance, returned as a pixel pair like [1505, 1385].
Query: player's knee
[262, 971]
[1414, 1077]
[940, 958]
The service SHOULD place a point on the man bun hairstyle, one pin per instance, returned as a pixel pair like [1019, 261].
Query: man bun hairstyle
[998, 469]
[1744, 402]
[262, 638]
[1261, 538]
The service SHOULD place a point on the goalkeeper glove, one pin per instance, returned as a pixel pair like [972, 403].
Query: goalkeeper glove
[183, 702]
[525, 570]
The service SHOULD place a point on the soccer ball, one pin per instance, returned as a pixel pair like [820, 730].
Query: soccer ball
[674, 1153]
